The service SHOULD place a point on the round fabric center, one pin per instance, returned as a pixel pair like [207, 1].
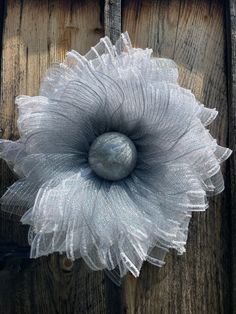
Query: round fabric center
[112, 156]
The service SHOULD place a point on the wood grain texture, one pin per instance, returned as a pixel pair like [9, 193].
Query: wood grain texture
[231, 70]
[36, 34]
[192, 33]
[112, 19]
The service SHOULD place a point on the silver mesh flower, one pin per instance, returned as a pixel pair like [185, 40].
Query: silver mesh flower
[113, 158]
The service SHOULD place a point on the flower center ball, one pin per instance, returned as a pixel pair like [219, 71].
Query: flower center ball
[112, 156]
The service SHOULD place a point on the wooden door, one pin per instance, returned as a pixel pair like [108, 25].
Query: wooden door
[196, 34]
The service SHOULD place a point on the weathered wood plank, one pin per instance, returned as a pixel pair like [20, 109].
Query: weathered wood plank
[231, 70]
[192, 33]
[36, 34]
[112, 19]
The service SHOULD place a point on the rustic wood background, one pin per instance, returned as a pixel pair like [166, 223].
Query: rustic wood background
[200, 37]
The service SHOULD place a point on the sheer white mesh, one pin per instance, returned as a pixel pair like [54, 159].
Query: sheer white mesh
[112, 225]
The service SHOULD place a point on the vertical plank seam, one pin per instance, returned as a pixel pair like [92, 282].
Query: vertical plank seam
[230, 23]
[2, 19]
[112, 19]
